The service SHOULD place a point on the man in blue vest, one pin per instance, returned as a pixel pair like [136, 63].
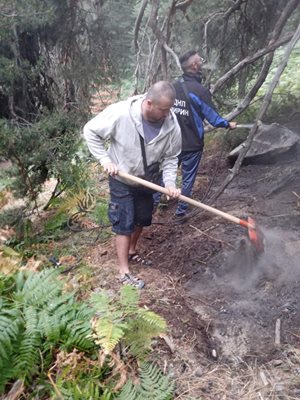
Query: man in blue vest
[193, 105]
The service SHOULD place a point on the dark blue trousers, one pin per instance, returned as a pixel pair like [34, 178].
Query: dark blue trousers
[189, 162]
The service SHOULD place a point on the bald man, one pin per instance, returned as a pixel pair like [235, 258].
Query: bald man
[144, 121]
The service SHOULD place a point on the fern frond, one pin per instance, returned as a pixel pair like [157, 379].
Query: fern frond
[40, 288]
[78, 334]
[154, 382]
[28, 356]
[129, 392]
[27, 361]
[142, 330]
[153, 385]
[100, 302]
[6, 372]
[9, 330]
[108, 334]
[129, 297]
[75, 391]
[49, 326]
[157, 323]
[69, 321]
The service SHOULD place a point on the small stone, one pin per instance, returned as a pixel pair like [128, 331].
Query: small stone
[276, 363]
[279, 387]
[214, 353]
[199, 372]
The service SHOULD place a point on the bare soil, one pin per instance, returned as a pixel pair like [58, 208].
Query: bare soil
[222, 303]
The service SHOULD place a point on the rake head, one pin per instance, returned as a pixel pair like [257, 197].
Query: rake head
[256, 236]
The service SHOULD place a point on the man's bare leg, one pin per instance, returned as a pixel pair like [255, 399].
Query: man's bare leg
[134, 239]
[122, 245]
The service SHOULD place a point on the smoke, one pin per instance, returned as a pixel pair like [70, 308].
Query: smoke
[245, 269]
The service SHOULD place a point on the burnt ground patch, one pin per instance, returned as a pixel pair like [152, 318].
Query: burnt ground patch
[226, 308]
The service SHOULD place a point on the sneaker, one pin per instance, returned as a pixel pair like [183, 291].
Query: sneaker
[128, 279]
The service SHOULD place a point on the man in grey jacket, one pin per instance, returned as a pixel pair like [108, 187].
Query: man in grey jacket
[130, 209]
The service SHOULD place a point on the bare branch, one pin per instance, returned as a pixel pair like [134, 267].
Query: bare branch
[289, 8]
[172, 52]
[261, 113]
[158, 32]
[205, 46]
[183, 5]
[249, 60]
[138, 22]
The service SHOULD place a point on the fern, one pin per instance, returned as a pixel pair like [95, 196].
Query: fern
[36, 318]
[153, 385]
[121, 320]
[109, 334]
[101, 303]
[80, 378]
[129, 297]
[40, 289]
[9, 329]
[154, 320]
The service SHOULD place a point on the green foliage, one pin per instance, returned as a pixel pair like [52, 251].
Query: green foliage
[99, 213]
[51, 52]
[38, 321]
[83, 390]
[153, 385]
[56, 222]
[286, 97]
[39, 151]
[80, 378]
[13, 217]
[35, 318]
[121, 320]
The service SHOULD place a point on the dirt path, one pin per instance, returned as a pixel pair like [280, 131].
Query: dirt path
[222, 311]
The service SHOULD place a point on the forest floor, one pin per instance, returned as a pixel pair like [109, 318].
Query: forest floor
[233, 322]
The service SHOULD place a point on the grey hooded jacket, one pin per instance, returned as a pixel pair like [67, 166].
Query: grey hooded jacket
[122, 124]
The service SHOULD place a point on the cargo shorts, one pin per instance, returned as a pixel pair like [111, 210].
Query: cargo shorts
[129, 206]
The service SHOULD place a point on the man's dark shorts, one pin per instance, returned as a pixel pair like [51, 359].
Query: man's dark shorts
[129, 207]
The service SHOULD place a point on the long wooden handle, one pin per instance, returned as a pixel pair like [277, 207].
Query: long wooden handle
[188, 200]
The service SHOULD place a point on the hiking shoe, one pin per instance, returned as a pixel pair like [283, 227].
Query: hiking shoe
[128, 279]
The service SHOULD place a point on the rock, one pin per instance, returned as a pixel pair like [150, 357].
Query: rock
[270, 143]
[214, 353]
[276, 363]
[279, 387]
[199, 372]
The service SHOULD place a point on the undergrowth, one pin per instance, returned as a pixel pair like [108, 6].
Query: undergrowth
[57, 346]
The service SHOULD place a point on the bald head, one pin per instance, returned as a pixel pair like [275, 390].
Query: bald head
[160, 90]
[158, 101]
